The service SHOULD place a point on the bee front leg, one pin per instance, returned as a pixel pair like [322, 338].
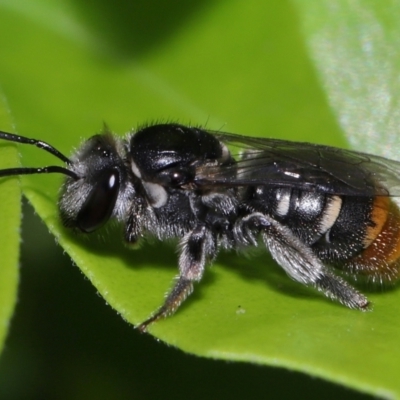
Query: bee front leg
[197, 247]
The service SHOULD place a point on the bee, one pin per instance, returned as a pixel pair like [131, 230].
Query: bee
[315, 208]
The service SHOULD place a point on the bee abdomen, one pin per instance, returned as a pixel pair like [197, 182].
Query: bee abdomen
[360, 235]
[310, 215]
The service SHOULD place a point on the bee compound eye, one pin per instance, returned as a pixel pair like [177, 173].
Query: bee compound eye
[99, 205]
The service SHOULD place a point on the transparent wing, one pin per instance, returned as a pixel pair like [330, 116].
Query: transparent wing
[305, 166]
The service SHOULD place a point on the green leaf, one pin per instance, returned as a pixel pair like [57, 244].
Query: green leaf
[237, 66]
[10, 215]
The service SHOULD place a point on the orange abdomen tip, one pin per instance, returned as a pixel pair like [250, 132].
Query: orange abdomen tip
[380, 260]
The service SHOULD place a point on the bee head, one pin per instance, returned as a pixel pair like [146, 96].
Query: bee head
[88, 200]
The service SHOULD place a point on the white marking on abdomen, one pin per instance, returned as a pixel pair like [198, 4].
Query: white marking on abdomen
[330, 213]
[283, 198]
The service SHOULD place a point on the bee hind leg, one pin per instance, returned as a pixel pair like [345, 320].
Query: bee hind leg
[299, 261]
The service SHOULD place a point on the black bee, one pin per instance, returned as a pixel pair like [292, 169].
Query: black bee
[310, 205]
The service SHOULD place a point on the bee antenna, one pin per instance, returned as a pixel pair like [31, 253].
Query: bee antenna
[41, 145]
[43, 170]
[38, 143]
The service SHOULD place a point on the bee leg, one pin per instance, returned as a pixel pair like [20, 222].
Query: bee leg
[197, 247]
[300, 263]
[182, 289]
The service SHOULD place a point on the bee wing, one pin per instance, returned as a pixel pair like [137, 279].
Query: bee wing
[305, 166]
